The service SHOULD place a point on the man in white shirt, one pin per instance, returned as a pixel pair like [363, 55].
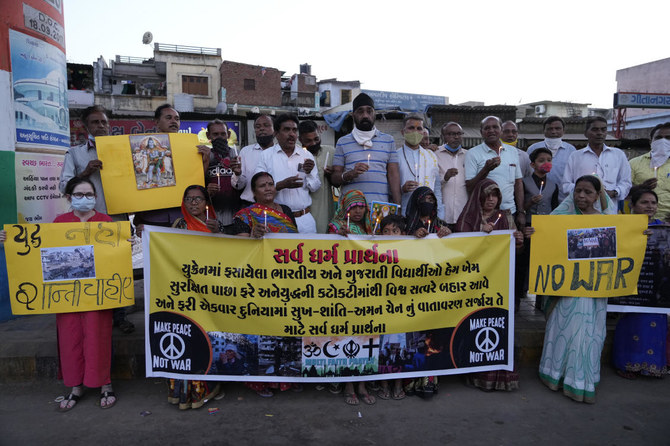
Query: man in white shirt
[608, 163]
[418, 166]
[554, 129]
[451, 162]
[245, 166]
[293, 171]
[510, 136]
[499, 162]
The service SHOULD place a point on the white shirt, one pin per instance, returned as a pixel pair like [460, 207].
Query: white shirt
[419, 165]
[454, 193]
[276, 163]
[249, 156]
[505, 175]
[611, 166]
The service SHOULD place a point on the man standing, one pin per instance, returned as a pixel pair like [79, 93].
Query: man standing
[554, 128]
[323, 207]
[425, 142]
[451, 162]
[293, 170]
[652, 170]
[82, 160]
[418, 166]
[225, 198]
[510, 136]
[167, 121]
[500, 163]
[366, 158]
[608, 163]
[245, 166]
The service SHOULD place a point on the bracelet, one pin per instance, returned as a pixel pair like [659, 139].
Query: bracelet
[344, 180]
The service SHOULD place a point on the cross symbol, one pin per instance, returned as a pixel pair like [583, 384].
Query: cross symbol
[370, 346]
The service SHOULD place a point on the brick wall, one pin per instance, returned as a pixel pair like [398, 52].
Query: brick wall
[267, 85]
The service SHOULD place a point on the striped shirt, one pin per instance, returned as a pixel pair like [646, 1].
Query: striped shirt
[373, 183]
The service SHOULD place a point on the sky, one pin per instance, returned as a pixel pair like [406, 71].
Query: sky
[496, 52]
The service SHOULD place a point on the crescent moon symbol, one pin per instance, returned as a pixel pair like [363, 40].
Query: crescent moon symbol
[325, 350]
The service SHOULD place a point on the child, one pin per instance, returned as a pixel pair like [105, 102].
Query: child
[393, 224]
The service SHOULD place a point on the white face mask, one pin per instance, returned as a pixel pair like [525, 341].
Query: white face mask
[660, 152]
[83, 204]
[552, 143]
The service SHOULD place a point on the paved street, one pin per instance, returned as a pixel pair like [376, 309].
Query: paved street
[627, 412]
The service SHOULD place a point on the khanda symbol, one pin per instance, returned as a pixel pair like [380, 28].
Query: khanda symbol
[351, 349]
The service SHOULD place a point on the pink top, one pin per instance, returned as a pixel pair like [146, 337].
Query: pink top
[71, 218]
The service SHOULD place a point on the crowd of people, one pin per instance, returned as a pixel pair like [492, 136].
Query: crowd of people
[288, 187]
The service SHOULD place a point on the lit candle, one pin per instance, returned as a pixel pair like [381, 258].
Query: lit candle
[325, 163]
[429, 225]
[496, 222]
[374, 231]
[368, 160]
[655, 172]
[541, 186]
[206, 212]
[347, 221]
[265, 219]
[218, 179]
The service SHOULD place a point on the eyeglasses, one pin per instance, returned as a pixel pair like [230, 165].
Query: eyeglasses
[80, 195]
[454, 133]
[196, 200]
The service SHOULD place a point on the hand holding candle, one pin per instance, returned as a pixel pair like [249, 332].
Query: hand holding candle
[429, 226]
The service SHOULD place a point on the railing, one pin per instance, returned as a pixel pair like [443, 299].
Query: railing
[131, 59]
[187, 49]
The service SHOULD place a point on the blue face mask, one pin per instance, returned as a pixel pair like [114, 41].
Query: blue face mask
[83, 204]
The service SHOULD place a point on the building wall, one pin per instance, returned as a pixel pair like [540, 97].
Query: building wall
[336, 92]
[180, 64]
[129, 104]
[267, 84]
[652, 77]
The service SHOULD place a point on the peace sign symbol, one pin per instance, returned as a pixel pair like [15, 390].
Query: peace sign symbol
[487, 339]
[170, 351]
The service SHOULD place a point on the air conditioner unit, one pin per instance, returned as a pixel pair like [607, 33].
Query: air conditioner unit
[539, 109]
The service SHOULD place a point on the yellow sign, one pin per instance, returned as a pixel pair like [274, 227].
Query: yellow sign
[586, 255]
[301, 286]
[148, 171]
[69, 267]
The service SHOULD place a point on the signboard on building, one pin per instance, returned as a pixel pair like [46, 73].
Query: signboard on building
[641, 100]
[404, 101]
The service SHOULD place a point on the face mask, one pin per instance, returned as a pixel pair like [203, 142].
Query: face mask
[426, 208]
[314, 149]
[552, 143]
[83, 204]
[512, 143]
[451, 149]
[220, 146]
[413, 138]
[660, 151]
[546, 167]
[264, 140]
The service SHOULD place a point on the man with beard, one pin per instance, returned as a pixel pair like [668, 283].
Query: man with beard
[608, 163]
[323, 208]
[554, 128]
[293, 171]
[366, 159]
[225, 198]
[245, 166]
[500, 163]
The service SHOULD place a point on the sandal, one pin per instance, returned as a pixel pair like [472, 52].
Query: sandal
[368, 399]
[384, 394]
[70, 398]
[398, 394]
[265, 393]
[105, 396]
[335, 388]
[626, 374]
[351, 399]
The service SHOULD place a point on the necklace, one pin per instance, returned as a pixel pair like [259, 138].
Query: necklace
[415, 175]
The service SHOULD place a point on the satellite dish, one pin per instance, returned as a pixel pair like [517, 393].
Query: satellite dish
[147, 38]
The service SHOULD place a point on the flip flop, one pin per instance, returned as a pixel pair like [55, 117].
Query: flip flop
[351, 399]
[368, 399]
[398, 394]
[70, 397]
[107, 395]
[384, 394]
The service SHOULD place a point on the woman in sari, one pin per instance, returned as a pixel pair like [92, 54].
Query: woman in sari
[576, 329]
[422, 216]
[482, 213]
[197, 215]
[352, 216]
[264, 215]
[255, 221]
[640, 338]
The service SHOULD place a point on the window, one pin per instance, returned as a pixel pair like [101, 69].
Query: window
[345, 95]
[249, 84]
[197, 85]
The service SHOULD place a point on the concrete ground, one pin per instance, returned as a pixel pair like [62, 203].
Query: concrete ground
[626, 412]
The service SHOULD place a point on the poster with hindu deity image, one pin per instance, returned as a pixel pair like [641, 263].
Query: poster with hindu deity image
[152, 159]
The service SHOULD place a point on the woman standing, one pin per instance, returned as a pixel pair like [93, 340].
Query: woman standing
[576, 329]
[84, 338]
[640, 338]
[197, 215]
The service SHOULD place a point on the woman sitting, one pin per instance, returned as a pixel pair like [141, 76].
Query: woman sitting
[421, 214]
[640, 338]
[197, 211]
[264, 215]
[352, 216]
